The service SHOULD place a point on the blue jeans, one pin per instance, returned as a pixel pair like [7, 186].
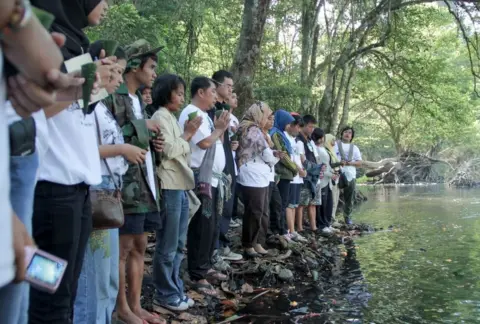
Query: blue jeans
[23, 173]
[99, 280]
[169, 248]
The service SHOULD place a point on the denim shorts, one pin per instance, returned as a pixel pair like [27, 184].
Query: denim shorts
[140, 223]
[294, 199]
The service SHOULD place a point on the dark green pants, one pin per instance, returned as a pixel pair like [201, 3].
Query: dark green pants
[349, 198]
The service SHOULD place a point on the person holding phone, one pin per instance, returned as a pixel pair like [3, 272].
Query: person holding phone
[140, 192]
[176, 178]
[208, 163]
[99, 278]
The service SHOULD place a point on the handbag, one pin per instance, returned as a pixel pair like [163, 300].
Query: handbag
[107, 207]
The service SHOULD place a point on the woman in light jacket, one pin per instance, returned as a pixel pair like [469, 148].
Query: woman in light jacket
[330, 147]
[324, 185]
[256, 161]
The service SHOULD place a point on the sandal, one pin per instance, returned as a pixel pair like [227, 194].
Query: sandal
[205, 289]
[217, 275]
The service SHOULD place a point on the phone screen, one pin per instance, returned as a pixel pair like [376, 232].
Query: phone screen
[44, 269]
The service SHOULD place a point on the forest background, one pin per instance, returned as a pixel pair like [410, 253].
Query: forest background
[404, 73]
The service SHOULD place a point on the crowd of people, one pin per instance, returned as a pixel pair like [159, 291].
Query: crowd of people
[180, 178]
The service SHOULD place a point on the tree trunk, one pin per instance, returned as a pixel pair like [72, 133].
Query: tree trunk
[248, 50]
[346, 100]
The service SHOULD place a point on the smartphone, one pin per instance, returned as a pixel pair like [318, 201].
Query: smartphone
[192, 115]
[44, 271]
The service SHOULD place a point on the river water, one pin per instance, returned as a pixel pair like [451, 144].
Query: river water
[425, 270]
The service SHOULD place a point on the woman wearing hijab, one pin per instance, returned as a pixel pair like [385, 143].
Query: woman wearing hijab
[330, 147]
[286, 169]
[71, 17]
[62, 215]
[256, 160]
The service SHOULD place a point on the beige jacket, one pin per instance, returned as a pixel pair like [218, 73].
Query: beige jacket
[174, 170]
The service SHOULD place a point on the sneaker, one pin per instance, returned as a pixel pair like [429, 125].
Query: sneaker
[228, 255]
[327, 231]
[299, 238]
[334, 230]
[178, 306]
[348, 221]
[234, 224]
[288, 237]
[190, 302]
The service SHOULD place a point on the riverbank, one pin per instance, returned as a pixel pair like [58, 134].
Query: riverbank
[276, 288]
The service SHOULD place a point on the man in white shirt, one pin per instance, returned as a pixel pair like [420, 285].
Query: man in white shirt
[203, 227]
[350, 155]
[224, 82]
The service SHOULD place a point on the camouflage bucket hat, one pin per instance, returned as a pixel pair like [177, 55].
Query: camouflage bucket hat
[138, 49]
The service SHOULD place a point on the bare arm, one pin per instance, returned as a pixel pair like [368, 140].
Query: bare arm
[108, 151]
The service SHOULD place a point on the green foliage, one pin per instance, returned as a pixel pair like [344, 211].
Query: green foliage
[414, 92]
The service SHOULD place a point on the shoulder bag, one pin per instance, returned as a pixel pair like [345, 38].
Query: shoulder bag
[107, 208]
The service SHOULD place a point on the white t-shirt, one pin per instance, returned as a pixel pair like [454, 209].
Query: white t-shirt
[203, 132]
[111, 134]
[349, 171]
[234, 123]
[298, 149]
[72, 156]
[6, 234]
[137, 110]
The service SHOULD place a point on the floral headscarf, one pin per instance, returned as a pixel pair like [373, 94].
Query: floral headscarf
[253, 141]
[329, 138]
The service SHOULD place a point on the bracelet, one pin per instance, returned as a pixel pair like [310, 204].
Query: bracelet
[21, 15]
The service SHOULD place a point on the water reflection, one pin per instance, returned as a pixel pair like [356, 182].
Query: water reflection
[428, 271]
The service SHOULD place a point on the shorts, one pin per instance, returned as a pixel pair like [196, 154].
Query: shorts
[294, 198]
[306, 198]
[140, 223]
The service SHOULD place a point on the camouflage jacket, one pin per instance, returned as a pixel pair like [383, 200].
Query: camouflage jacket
[136, 194]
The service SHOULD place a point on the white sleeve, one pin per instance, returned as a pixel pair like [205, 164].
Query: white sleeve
[183, 118]
[357, 156]
[203, 131]
[268, 157]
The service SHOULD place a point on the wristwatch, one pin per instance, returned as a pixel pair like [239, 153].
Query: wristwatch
[19, 18]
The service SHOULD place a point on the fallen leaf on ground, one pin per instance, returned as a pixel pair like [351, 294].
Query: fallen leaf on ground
[294, 304]
[193, 319]
[230, 303]
[161, 310]
[195, 295]
[246, 288]
[228, 313]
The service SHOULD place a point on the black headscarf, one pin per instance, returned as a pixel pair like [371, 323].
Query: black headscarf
[71, 16]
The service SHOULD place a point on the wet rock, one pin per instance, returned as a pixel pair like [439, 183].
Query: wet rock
[285, 274]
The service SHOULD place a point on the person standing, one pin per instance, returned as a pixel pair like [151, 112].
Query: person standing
[307, 191]
[212, 185]
[176, 178]
[330, 143]
[285, 169]
[324, 185]
[98, 280]
[224, 82]
[256, 160]
[351, 159]
[140, 192]
[234, 123]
